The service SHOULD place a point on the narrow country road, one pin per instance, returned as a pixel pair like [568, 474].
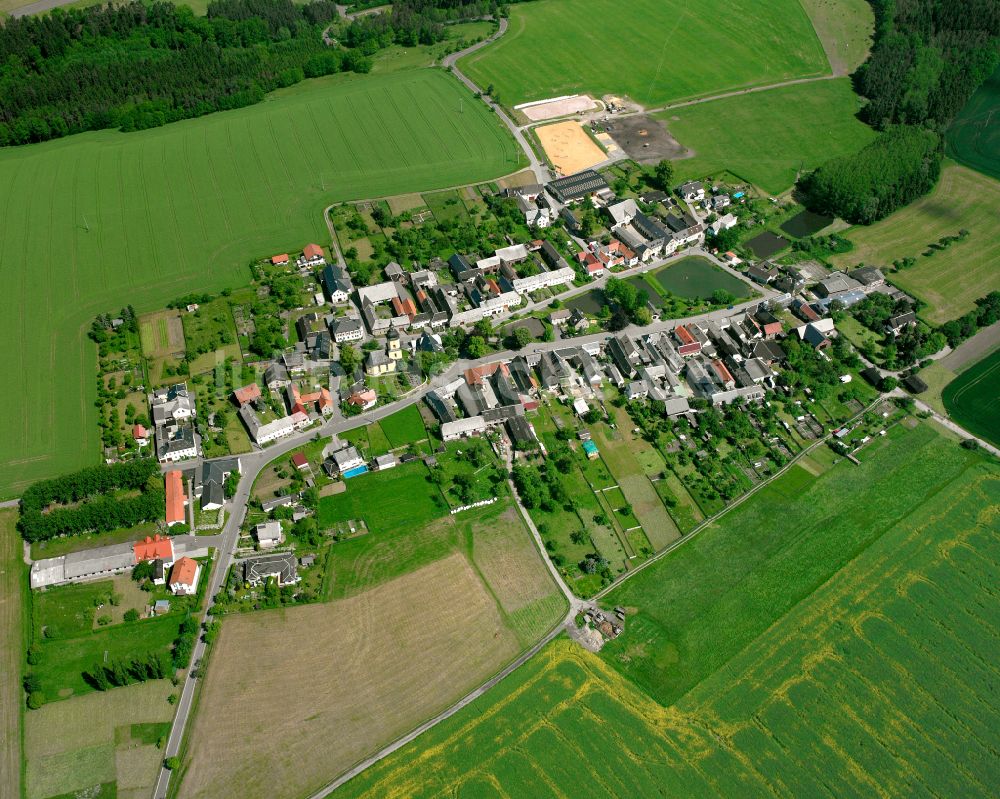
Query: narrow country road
[449, 62]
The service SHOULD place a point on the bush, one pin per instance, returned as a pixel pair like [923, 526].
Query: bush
[131, 615]
[172, 763]
[36, 699]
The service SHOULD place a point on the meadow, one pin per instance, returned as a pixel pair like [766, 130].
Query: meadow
[404, 427]
[402, 497]
[974, 136]
[703, 603]
[101, 745]
[973, 398]
[95, 221]
[416, 630]
[878, 682]
[768, 137]
[845, 29]
[653, 51]
[951, 280]
[13, 626]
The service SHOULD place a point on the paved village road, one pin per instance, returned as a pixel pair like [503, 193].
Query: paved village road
[541, 172]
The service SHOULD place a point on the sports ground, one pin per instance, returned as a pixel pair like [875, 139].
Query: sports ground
[973, 398]
[950, 280]
[974, 136]
[877, 660]
[768, 137]
[94, 221]
[653, 51]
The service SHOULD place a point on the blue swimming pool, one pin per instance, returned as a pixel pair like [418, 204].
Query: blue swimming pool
[355, 471]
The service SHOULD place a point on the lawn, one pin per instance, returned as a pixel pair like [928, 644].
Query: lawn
[845, 29]
[951, 280]
[974, 136]
[68, 610]
[701, 605]
[13, 624]
[103, 739]
[399, 498]
[973, 398]
[63, 661]
[185, 207]
[404, 427]
[767, 137]
[654, 51]
[878, 682]
[426, 628]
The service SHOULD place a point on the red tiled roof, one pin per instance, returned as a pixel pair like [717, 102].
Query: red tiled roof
[721, 371]
[312, 251]
[175, 496]
[155, 548]
[363, 397]
[138, 431]
[475, 375]
[184, 572]
[299, 460]
[595, 267]
[397, 306]
[247, 394]
[279, 259]
[494, 286]
[684, 335]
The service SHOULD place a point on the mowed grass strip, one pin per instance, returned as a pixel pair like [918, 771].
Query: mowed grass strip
[651, 50]
[702, 604]
[951, 280]
[879, 681]
[13, 583]
[767, 137]
[95, 221]
[973, 398]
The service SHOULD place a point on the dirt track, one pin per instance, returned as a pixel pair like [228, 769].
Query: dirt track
[976, 348]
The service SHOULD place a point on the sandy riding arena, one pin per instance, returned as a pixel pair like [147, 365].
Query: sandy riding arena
[568, 147]
[556, 107]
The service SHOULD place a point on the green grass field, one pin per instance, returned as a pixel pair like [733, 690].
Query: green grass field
[973, 398]
[66, 611]
[98, 746]
[654, 51]
[974, 136]
[767, 137]
[404, 427]
[64, 660]
[704, 603]
[95, 221]
[845, 29]
[879, 681]
[692, 277]
[948, 281]
[398, 498]
[13, 624]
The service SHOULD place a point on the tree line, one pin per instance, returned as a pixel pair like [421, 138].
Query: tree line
[137, 65]
[412, 22]
[102, 479]
[101, 515]
[900, 165]
[928, 57]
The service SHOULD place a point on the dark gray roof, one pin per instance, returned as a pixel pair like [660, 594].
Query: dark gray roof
[281, 565]
[576, 186]
[519, 430]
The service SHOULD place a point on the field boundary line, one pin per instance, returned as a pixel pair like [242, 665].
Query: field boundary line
[709, 521]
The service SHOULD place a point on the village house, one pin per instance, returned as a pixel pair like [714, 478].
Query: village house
[281, 566]
[268, 534]
[176, 500]
[312, 256]
[184, 577]
[692, 191]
